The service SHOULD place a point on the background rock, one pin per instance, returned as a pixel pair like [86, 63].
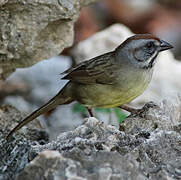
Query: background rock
[34, 30]
[12, 88]
[101, 42]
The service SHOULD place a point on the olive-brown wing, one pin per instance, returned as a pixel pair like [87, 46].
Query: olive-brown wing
[100, 70]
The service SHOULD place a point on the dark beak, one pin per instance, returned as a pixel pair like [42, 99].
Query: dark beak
[164, 46]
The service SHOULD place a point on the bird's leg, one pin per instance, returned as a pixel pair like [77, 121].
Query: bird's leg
[90, 112]
[130, 109]
[139, 112]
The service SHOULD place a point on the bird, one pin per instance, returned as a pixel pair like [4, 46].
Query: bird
[110, 80]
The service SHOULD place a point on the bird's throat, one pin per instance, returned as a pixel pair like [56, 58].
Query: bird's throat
[151, 61]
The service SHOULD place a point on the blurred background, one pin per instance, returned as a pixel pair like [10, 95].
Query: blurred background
[159, 17]
[100, 28]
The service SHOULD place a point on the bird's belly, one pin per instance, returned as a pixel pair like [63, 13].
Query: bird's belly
[110, 95]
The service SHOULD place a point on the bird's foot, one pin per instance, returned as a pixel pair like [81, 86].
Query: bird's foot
[139, 112]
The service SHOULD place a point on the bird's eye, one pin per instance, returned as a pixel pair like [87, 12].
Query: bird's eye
[150, 45]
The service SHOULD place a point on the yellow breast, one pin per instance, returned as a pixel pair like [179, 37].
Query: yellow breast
[107, 96]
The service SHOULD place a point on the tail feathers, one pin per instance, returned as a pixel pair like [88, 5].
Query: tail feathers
[51, 104]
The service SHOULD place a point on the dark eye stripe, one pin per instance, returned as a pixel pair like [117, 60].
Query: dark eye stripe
[150, 45]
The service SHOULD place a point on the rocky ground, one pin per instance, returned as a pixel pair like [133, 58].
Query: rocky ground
[147, 147]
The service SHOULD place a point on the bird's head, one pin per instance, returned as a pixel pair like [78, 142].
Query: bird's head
[141, 50]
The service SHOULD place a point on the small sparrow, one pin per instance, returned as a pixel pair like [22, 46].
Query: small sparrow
[109, 80]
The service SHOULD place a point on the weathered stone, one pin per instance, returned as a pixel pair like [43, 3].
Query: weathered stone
[34, 30]
[97, 166]
[101, 42]
[12, 88]
[98, 151]
[157, 158]
[2, 2]
[10, 116]
[14, 155]
[164, 116]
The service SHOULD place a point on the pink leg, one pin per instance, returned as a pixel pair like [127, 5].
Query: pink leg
[90, 112]
[130, 109]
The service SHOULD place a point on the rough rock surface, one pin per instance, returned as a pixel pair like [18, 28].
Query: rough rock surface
[14, 154]
[98, 151]
[167, 73]
[34, 30]
[160, 117]
[10, 116]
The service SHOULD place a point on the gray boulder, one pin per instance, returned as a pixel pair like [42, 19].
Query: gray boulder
[96, 151]
[34, 30]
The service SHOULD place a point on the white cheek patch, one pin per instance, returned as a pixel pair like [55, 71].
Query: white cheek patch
[153, 56]
[151, 61]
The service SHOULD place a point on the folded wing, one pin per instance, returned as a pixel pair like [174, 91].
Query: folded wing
[100, 70]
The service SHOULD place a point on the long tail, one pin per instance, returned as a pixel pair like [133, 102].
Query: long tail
[59, 99]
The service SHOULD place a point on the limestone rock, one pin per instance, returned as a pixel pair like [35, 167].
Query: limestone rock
[34, 30]
[14, 155]
[98, 151]
[164, 116]
[10, 117]
[98, 166]
[155, 159]
[101, 42]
